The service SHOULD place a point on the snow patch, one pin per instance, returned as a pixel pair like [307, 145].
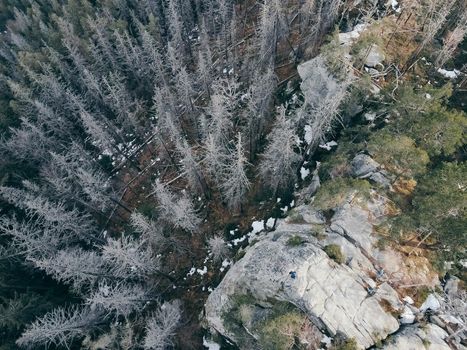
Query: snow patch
[395, 6]
[203, 271]
[257, 226]
[226, 263]
[329, 145]
[210, 345]
[431, 303]
[304, 173]
[450, 74]
[270, 222]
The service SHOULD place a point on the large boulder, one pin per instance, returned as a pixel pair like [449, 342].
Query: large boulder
[375, 57]
[290, 265]
[430, 337]
[317, 82]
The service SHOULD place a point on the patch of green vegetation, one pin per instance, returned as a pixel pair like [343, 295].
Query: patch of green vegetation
[240, 254]
[334, 192]
[281, 332]
[422, 294]
[439, 206]
[398, 153]
[426, 343]
[345, 344]
[361, 48]
[295, 241]
[334, 251]
[294, 217]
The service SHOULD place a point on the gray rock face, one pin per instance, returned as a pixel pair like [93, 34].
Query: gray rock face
[375, 57]
[317, 83]
[430, 337]
[363, 165]
[334, 296]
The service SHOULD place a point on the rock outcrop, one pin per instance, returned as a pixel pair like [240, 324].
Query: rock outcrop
[338, 298]
[351, 290]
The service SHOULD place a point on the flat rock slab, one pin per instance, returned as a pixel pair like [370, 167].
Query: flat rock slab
[332, 295]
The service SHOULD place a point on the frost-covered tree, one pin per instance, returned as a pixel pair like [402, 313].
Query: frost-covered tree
[59, 328]
[31, 238]
[218, 248]
[259, 103]
[70, 221]
[191, 168]
[75, 266]
[279, 161]
[235, 183]
[149, 229]
[73, 175]
[273, 26]
[324, 95]
[129, 258]
[29, 142]
[452, 40]
[179, 211]
[120, 299]
[161, 327]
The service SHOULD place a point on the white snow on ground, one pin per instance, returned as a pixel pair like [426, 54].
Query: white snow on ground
[450, 74]
[408, 300]
[270, 222]
[257, 226]
[210, 345]
[192, 272]
[431, 303]
[239, 240]
[329, 145]
[347, 38]
[395, 6]
[203, 271]
[226, 263]
[304, 173]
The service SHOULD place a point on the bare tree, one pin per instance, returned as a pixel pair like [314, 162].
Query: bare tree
[278, 165]
[75, 266]
[129, 258]
[59, 328]
[452, 40]
[191, 169]
[31, 237]
[179, 211]
[273, 26]
[120, 299]
[259, 103]
[235, 184]
[160, 328]
[324, 95]
[218, 248]
[56, 215]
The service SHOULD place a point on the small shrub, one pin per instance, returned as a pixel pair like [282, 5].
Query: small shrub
[334, 192]
[295, 218]
[335, 253]
[295, 241]
[345, 344]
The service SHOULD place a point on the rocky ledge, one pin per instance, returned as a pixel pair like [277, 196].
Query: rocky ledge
[331, 274]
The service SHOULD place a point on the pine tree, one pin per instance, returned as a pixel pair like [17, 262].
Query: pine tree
[235, 183]
[160, 328]
[119, 299]
[279, 161]
[178, 211]
[59, 328]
